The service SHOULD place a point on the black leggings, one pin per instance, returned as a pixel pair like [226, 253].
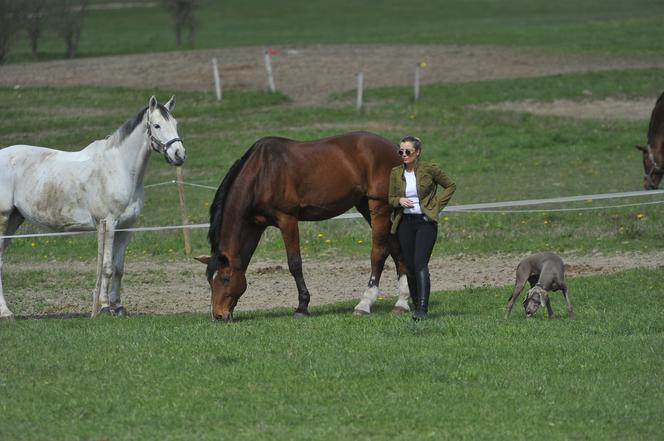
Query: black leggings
[417, 237]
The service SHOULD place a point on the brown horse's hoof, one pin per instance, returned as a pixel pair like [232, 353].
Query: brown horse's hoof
[399, 310]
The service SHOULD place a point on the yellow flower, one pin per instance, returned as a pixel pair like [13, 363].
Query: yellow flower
[328, 241]
[640, 216]
[360, 241]
[33, 245]
[445, 218]
[320, 235]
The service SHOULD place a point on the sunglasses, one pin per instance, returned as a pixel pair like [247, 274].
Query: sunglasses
[406, 152]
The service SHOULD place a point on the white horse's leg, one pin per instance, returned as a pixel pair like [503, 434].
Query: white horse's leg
[119, 247]
[8, 226]
[107, 265]
[404, 294]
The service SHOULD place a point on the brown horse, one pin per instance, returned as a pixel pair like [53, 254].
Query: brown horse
[653, 153]
[279, 182]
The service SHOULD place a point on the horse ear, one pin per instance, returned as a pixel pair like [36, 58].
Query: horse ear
[152, 104]
[170, 105]
[641, 147]
[203, 259]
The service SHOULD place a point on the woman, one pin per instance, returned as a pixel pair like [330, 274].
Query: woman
[413, 194]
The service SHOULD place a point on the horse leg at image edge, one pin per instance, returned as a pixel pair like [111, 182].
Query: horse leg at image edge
[291, 235]
[8, 226]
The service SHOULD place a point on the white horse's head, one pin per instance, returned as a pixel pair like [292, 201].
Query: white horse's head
[163, 131]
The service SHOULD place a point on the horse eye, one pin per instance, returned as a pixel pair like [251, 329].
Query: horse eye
[157, 126]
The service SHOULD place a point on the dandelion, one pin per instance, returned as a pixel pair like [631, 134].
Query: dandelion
[33, 245]
[640, 216]
[320, 235]
[328, 241]
[547, 221]
[360, 241]
[446, 218]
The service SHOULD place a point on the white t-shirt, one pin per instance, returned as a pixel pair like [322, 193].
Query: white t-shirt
[411, 193]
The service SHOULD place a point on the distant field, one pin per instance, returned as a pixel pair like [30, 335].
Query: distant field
[611, 26]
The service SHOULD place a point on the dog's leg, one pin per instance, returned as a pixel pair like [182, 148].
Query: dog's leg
[547, 302]
[570, 312]
[518, 287]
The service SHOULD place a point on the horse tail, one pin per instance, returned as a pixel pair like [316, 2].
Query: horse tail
[217, 207]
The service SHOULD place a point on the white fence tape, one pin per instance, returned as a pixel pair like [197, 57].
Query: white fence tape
[471, 208]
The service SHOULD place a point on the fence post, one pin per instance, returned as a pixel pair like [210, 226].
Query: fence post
[268, 67]
[217, 79]
[101, 240]
[417, 81]
[360, 86]
[183, 210]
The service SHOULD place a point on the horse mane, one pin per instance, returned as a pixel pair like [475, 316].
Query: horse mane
[130, 125]
[217, 207]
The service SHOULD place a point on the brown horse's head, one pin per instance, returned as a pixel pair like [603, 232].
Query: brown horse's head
[653, 165]
[227, 284]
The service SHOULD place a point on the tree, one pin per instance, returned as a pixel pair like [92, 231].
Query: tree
[68, 15]
[34, 17]
[183, 14]
[10, 23]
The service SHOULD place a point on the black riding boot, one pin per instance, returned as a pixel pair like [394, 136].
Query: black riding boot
[412, 289]
[423, 290]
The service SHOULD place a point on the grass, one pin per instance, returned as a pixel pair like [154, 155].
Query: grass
[464, 374]
[612, 27]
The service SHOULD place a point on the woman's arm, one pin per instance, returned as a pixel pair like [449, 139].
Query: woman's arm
[441, 178]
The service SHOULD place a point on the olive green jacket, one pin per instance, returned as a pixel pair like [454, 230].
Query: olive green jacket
[428, 176]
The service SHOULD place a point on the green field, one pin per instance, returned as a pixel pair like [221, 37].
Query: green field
[609, 26]
[466, 374]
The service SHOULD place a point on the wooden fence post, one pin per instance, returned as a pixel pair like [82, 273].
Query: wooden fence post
[417, 81]
[360, 86]
[268, 68]
[217, 79]
[183, 210]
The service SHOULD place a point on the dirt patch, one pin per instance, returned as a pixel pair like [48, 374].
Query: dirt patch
[180, 286]
[309, 74]
[608, 109]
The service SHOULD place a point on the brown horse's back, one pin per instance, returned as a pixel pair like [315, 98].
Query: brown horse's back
[319, 179]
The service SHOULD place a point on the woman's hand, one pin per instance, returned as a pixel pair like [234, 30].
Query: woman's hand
[406, 203]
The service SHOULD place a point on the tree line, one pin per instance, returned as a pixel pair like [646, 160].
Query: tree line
[65, 17]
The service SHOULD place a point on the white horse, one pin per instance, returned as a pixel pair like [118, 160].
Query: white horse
[75, 191]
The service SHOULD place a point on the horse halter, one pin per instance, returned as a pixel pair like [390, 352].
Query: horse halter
[157, 145]
[656, 168]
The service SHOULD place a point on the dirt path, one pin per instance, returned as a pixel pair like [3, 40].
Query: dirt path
[309, 74]
[180, 286]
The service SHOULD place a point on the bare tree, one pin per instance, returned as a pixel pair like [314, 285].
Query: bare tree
[10, 13]
[183, 14]
[68, 15]
[34, 17]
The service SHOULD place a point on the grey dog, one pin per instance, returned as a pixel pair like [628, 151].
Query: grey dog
[545, 272]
